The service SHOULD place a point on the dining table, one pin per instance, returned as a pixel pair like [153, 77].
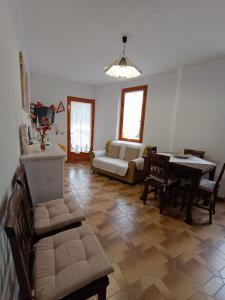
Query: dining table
[190, 168]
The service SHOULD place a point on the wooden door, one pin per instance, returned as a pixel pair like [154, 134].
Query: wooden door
[80, 128]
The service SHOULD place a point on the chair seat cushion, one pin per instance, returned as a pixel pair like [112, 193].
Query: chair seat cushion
[55, 214]
[67, 262]
[162, 181]
[207, 185]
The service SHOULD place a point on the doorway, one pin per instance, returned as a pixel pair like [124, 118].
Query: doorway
[80, 128]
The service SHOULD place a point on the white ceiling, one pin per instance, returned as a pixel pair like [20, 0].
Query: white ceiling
[76, 39]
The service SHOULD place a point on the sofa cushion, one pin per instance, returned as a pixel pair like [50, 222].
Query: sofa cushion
[131, 153]
[68, 261]
[107, 145]
[125, 144]
[55, 214]
[113, 151]
[112, 165]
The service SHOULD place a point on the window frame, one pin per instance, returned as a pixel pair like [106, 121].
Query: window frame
[143, 88]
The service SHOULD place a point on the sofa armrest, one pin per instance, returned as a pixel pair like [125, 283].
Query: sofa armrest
[94, 154]
[139, 162]
[98, 153]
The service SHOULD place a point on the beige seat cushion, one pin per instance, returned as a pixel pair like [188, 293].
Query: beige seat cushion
[68, 261]
[207, 185]
[56, 214]
[131, 153]
[162, 181]
[114, 151]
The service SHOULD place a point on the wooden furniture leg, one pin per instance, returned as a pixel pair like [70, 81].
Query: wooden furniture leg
[212, 174]
[162, 201]
[211, 208]
[192, 193]
[145, 192]
[102, 294]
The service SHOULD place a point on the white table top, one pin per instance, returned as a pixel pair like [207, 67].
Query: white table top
[191, 160]
[51, 152]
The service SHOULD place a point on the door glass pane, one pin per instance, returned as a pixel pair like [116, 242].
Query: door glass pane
[132, 115]
[80, 127]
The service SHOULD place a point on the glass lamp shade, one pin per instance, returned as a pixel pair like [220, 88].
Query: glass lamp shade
[122, 68]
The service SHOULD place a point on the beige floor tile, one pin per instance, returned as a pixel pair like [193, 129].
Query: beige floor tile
[155, 257]
[213, 285]
[180, 285]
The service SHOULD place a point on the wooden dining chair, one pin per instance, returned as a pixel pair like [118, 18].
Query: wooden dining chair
[50, 217]
[69, 265]
[198, 153]
[207, 194]
[159, 179]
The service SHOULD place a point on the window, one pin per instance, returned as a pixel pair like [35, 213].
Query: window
[132, 113]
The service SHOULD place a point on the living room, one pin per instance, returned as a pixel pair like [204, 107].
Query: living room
[68, 51]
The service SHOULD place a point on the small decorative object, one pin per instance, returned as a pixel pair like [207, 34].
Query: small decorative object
[24, 83]
[184, 156]
[39, 110]
[42, 129]
[42, 123]
[60, 107]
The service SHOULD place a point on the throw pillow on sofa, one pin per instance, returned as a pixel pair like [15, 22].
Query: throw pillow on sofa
[131, 153]
[114, 151]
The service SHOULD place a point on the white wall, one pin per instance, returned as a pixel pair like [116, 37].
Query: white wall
[11, 116]
[159, 109]
[11, 113]
[106, 114]
[53, 90]
[162, 89]
[201, 111]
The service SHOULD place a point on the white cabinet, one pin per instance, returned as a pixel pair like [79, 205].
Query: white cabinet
[45, 173]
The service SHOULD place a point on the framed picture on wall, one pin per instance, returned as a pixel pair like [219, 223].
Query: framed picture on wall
[24, 80]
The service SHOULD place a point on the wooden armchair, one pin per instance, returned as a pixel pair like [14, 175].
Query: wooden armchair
[198, 153]
[159, 179]
[50, 274]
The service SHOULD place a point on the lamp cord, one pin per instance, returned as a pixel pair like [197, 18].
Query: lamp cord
[124, 45]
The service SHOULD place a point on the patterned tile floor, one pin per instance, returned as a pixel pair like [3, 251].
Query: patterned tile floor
[155, 257]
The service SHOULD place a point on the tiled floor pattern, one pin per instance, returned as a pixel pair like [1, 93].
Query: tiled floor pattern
[155, 257]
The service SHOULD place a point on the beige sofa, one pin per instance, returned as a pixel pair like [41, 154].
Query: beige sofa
[128, 171]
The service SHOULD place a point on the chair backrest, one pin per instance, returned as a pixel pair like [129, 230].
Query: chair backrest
[18, 232]
[159, 166]
[198, 153]
[21, 179]
[151, 149]
[219, 178]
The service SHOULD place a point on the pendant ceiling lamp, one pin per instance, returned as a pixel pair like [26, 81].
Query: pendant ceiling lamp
[122, 67]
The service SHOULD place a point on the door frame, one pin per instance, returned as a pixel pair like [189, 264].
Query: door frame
[73, 157]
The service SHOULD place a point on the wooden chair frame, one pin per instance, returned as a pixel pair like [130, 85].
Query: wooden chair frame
[17, 228]
[158, 168]
[209, 198]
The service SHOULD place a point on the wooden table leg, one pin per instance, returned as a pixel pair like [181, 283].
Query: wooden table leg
[191, 195]
[212, 174]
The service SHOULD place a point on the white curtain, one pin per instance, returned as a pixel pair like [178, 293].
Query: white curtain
[80, 127]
